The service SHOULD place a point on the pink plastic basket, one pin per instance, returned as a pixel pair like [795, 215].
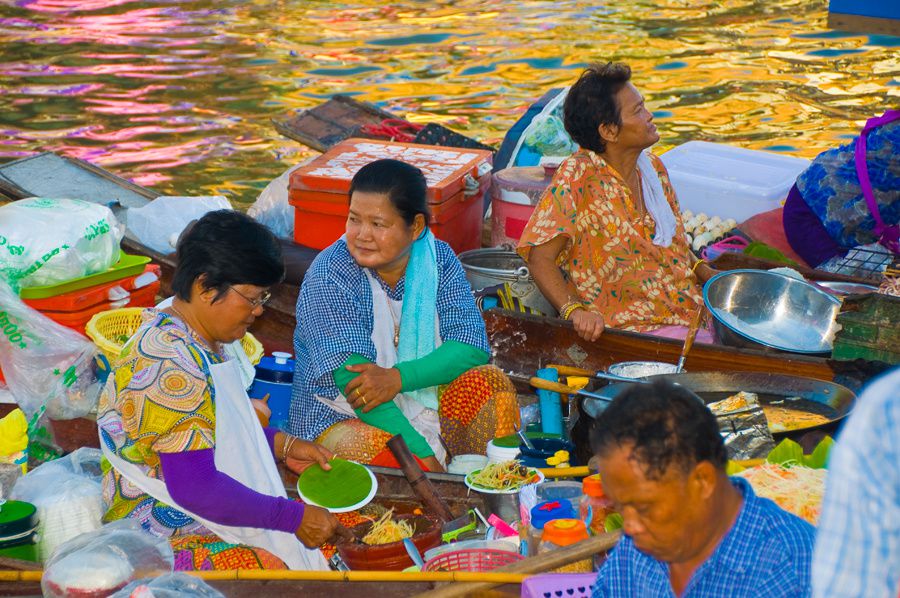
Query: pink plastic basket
[472, 559]
[559, 585]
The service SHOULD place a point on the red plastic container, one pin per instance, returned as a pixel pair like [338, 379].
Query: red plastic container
[95, 295]
[514, 194]
[77, 320]
[318, 191]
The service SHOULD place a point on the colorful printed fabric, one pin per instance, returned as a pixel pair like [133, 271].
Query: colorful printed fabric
[830, 187]
[474, 409]
[609, 254]
[335, 320]
[160, 399]
[210, 553]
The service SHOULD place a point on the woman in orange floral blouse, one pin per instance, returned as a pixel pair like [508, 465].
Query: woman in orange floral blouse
[606, 243]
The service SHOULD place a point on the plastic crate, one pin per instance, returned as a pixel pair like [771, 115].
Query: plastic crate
[472, 559]
[77, 320]
[82, 299]
[556, 585]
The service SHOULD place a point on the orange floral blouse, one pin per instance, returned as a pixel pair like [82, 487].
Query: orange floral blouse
[610, 255]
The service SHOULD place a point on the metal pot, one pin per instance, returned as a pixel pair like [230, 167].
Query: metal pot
[491, 267]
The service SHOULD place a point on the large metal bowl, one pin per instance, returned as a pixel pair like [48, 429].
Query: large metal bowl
[757, 308]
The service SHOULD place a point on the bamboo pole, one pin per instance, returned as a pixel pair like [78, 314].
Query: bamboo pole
[492, 577]
[533, 565]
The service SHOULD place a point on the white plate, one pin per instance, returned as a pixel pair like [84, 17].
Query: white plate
[358, 505]
[472, 486]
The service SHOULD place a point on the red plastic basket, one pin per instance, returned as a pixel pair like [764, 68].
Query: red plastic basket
[552, 585]
[472, 559]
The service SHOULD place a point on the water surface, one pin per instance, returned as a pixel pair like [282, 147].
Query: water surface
[178, 95]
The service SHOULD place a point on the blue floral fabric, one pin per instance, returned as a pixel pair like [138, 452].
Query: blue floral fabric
[830, 187]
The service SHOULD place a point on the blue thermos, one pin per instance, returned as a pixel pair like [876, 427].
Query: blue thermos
[274, 377]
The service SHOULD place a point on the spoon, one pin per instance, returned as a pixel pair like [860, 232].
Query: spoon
[525, 440]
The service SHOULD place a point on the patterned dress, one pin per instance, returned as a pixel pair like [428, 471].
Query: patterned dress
[609, 254]
[161, 399]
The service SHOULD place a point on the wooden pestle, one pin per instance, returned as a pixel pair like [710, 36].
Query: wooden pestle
[421, 485]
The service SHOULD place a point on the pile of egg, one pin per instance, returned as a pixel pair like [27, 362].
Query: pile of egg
[702, 230]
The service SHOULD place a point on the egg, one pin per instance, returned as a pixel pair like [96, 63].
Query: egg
[701, 241]
[714, 222]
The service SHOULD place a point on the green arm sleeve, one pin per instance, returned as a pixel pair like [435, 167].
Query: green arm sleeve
[386, 416]
[441, 366]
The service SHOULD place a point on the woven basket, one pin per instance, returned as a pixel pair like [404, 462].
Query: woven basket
[110, 330]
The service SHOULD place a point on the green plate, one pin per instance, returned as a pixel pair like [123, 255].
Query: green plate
[347, 487]
[128, 265]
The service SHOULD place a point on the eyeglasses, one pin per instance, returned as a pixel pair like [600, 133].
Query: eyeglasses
[263, 299]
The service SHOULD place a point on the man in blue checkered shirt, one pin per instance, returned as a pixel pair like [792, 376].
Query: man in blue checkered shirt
[690, 530]
[858, 544]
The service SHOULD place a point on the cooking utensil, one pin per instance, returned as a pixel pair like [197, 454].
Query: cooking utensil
[762, 309]
[831, 400]
[563, 389]
[689, 339]
[413, 553]
[421, 485]
[521, 434]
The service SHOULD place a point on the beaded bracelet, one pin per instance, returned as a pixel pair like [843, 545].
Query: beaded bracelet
[694, 267]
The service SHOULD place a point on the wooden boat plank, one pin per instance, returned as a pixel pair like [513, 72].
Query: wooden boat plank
[523, 343]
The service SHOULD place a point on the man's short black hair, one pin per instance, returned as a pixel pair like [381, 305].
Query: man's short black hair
[226, 248]
[666, 425]
[591, 102]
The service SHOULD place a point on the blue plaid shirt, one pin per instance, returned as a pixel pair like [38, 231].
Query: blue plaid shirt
[767, 553]
[858, 543]
[334, 320]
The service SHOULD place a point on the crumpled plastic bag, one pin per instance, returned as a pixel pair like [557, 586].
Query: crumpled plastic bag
[46, 365]
[68, 496]
[272, 209]
[106, 560]
[159, 224]
[546, 134]
[46, 241]
[171, 585]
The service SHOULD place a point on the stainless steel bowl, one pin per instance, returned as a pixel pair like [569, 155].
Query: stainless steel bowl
[639, 369]
[757, 308]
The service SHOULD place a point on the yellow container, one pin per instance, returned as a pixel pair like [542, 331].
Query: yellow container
[111, 329]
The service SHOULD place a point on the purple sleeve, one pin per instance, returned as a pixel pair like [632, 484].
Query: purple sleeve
[196, 485]
[270, 438]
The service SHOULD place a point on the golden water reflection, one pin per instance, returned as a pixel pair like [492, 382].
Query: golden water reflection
[178, 94]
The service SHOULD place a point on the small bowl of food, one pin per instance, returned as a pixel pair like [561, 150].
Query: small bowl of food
[500, 484]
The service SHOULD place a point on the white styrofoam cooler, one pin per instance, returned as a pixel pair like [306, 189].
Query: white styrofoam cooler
[730, 182]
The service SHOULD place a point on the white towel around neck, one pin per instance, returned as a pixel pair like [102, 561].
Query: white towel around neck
[655, 201]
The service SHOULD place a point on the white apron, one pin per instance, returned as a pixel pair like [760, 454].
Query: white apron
[385, 312]
[243, 453]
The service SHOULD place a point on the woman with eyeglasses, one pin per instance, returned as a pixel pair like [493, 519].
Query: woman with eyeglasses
[389, 340]
[184, 453]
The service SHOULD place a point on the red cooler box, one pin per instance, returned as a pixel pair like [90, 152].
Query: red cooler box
[318, 191]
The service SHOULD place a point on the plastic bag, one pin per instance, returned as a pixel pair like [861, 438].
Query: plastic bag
[106, 560]
[159, 224]
[171, 585]
[68, 496]
[272, 209]
[45, 365]
[545, 136]
[47, 241]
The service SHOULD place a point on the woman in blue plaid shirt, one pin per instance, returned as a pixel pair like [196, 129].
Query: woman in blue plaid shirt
[389, 340]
